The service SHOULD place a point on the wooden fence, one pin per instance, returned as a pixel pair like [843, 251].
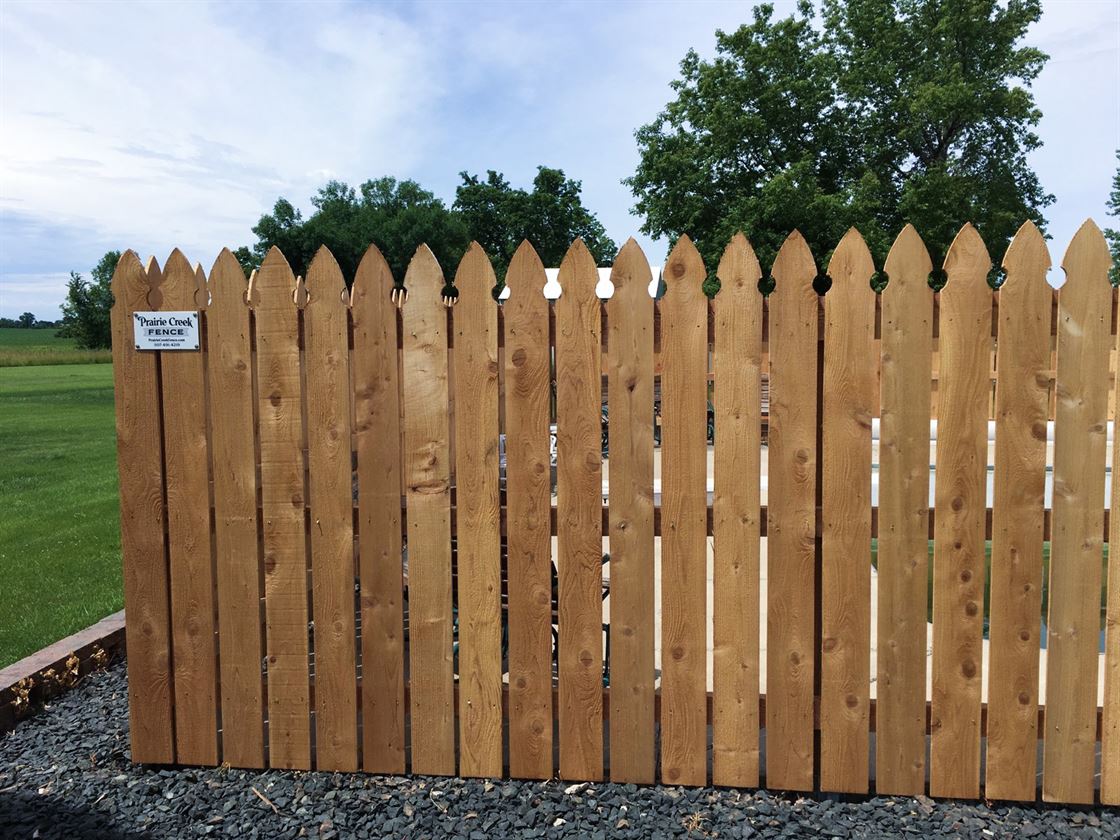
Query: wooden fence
[326, 567]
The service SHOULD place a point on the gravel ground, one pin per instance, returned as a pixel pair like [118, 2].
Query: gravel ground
[66, 773]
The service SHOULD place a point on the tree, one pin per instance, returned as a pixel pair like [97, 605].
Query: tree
[499, 217]
[893, 111]
[26, 320]
[397, 216]
[1112, 235]
[86, 312]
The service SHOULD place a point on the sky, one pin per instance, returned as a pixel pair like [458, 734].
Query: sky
[177, 124]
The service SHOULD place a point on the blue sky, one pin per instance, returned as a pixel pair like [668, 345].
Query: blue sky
[178, 124]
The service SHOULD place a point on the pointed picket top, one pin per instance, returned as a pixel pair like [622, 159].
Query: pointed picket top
[1027, 251]
[525, 275]
[630, 274]
[273, 283]
[324, 284]
[967, 262]
[475, 275]
[851, 266]
[908, 263]
[130, 283]
[739, 270]
[1087, 259]
[373, 280]
[423, 279]
[180, 284]
[684, 269]
[227, 281]
[300, 296]
[578, 272]
[155, 281]
[202, 296]
[794, 268]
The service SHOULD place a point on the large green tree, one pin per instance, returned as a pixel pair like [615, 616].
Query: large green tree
[86, 311]
[499, 216]
[398, 216]
[892, 111]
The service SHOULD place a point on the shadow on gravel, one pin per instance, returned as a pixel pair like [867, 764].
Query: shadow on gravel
[29, 815]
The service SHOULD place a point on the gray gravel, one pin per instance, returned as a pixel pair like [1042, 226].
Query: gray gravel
[66, 773]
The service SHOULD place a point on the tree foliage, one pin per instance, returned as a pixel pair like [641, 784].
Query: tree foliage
[499, 216]
[1111, 234]
[86, 311]
[893, 111]
[398, 216]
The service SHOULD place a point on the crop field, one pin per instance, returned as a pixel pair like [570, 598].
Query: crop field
[22, 347]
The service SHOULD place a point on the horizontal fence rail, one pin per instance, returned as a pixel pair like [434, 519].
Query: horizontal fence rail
[850, 542]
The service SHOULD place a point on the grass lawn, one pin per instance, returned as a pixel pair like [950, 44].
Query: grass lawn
[42, 347]
[60, 567]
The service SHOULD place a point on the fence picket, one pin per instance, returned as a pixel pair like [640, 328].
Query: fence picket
[427, 466]
[1110, 724]
[630, 408]
[903, 567]
[187, 461]
[579, 516]
[1022, 397]
[230, 360]
[375, 366]
[958, 566]
[478, 529]
[528, 494]
[737, 366]
[1080, 426]
[143, 524]
[849, 402]
[684, 461]
[791, 518]
[330, 499]
[280, 419]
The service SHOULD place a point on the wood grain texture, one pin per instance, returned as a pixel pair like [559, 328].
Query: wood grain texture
[579, 520]
[375, 368]
[478, 526]
[1022, 397]
[1110, 729]
[330, 498]
[147, 587]
[280, 432]
[850, 400]
[791, 519]
[630, 407]
[965, 347]
[737, 367]
[237, 550]
[427, 465]
[903, 562]
[684, 462]
[187, 463]
[1084, 344]
[528, 495]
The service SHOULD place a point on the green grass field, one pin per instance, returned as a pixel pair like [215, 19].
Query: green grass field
[60, 567]
[19, 347]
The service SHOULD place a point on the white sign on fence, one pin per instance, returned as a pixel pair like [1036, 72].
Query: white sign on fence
[165, 330]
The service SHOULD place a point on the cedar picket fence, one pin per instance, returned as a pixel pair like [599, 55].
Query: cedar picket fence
[324, 568]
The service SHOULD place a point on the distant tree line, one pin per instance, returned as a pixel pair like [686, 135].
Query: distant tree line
[27, 321]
